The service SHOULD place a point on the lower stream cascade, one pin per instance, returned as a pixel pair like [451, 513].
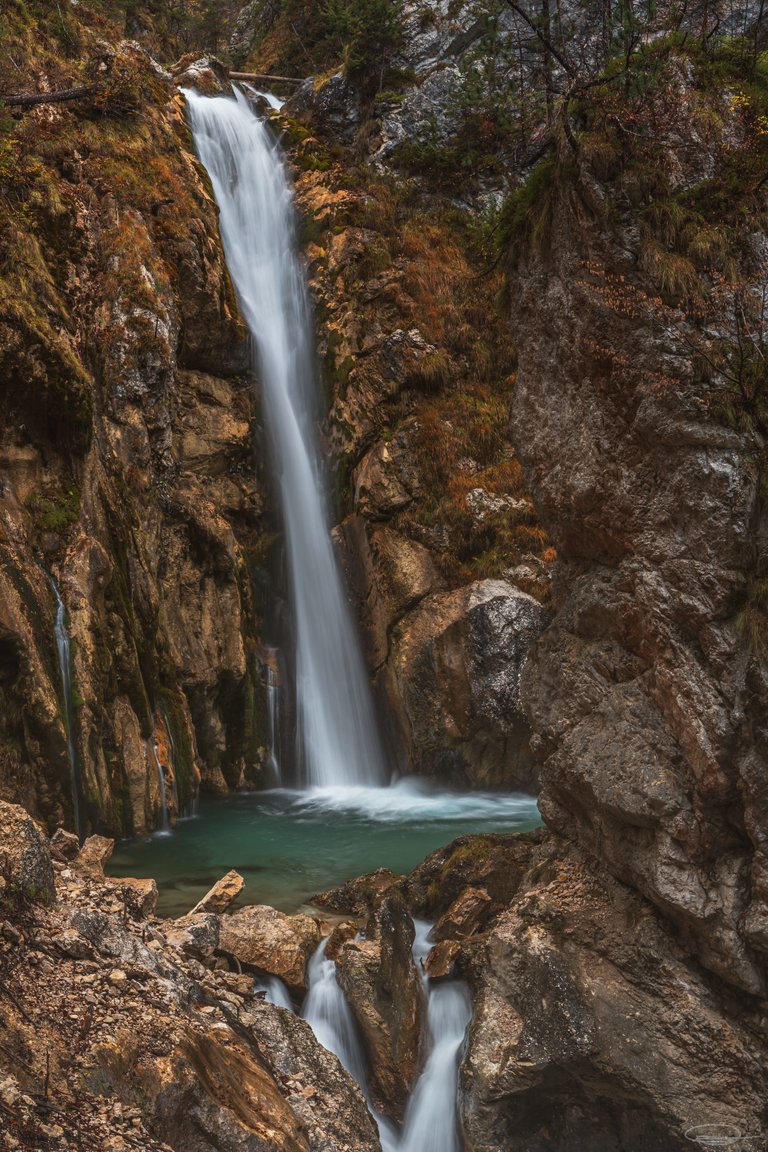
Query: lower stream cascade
[431, 1119]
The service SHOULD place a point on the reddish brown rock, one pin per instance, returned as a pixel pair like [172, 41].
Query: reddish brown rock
[94, 854]
[223, 893]
[271, 942]
[464, 916]
[439, 964]
[339, 936]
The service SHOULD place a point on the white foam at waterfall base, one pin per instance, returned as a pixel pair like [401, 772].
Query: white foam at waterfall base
[337, 741]
[413, 799]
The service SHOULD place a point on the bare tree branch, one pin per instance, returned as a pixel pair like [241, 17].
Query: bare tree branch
[568, 68]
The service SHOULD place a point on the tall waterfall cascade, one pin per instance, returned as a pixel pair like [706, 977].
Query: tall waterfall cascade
[337, 741]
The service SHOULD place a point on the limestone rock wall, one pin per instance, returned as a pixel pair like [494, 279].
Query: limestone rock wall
[647, 693]
[127, 468]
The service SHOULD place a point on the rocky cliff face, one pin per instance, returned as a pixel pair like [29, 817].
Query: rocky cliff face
[127, 456]
[647, 694]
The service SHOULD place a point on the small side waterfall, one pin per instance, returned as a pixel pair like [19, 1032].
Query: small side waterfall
[174, 762]
[330, 1017]
[65, 669]
[337, 741]
[164, 825]
[431, 1120]
[275, 992]
[273, 719]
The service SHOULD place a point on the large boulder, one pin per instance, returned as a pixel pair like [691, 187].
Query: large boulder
[594, 1028]
[458, 661]
[26, 871]
[271, 942]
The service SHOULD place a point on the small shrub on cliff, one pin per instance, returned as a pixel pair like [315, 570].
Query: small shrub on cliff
[368, 33]
[526, 216]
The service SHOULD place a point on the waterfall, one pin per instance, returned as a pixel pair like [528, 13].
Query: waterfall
[330, 1017]
[337, 742]
[65, 670]
[172, 747]
[431, 1118]
[273, 719]
[164, 828]
[275, 992]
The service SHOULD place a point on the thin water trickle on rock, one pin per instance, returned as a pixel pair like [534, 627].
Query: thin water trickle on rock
[337, 742]
[273, 723]
[164, 823]
[65, 669]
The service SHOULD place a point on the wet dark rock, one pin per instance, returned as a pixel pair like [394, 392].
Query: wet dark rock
[458, 660]
[464, 916]
[497, 864]
[333, 106]
[360, 896]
